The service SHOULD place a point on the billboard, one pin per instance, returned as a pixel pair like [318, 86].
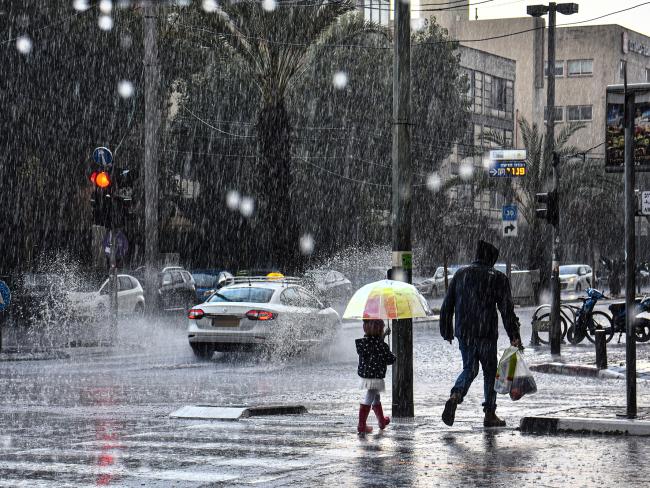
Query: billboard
[615, 130]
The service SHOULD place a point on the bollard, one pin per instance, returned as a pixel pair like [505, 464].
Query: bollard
[601, 349]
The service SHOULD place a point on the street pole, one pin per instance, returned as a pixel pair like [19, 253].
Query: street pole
[401, 207]
[152, 125]
[555, 330]
[113, 265]
[630, 289]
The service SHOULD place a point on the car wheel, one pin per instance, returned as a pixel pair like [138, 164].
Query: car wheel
[202, 351]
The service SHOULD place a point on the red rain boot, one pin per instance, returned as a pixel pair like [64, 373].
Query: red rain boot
[362, 428]
[379, 412]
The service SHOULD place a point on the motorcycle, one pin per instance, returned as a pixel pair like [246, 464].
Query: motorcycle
[642, 324]
[586, 320]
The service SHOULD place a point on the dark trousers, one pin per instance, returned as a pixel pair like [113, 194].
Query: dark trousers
[474, 352]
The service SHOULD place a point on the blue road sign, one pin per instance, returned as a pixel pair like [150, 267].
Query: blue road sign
[509, 212]
[103, 156]
[5, 296]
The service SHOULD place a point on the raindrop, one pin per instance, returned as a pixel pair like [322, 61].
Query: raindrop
[307, 244]
[80, 5]
[105, 22]
[126, 41]
[24, 44]
[105, 6]
[434, 182]
[269, 5]
[466, 171]
[418, 24]
[247, 206]
[125, 88]
[340, 80]
[210, 6]
[233, 199]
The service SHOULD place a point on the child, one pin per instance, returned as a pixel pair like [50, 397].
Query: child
[374, 356]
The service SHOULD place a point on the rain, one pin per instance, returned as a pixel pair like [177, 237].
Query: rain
[204, 205]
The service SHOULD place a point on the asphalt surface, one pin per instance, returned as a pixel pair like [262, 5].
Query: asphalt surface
[100, 416]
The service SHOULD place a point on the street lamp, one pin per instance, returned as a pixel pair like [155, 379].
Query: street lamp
[538, 11]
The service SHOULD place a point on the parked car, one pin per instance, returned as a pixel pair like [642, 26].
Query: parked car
[257, 313]
[207, 281]
[176, 289]
[328, 284]
[91, 300]
[435, 286]
[575, 277]
[503, 267]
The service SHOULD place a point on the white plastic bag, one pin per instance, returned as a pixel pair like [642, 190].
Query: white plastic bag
[506, 371]
[523, 382]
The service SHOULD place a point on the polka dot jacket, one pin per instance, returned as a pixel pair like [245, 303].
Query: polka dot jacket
[374, 357]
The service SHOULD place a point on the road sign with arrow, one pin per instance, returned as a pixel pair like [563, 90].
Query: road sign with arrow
[509, 228]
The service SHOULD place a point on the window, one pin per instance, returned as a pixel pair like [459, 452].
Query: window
[177, 277]
[579, 67]
[559, 69]
[498, 95]
[376, 11]
[647, 75]
[246, 294]
[559, 114]
[125, 283]
[621, 69]
[578, 112]
[478, 92]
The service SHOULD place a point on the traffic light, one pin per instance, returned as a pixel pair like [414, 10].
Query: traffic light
[102, 182]
[552, 211]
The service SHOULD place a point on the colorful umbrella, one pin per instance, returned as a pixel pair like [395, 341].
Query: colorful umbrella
[387, 300]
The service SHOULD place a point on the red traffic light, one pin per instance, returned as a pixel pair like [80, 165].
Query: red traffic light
[101, 179]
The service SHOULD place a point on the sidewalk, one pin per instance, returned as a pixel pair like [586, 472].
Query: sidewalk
[593, 420]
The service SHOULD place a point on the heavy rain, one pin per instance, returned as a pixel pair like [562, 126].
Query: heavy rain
[324, 243]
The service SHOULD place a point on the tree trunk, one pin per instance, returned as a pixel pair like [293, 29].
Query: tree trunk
[276, 235]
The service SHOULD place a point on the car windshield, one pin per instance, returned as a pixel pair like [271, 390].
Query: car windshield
[204, 280]
[569, 269]
[247, 294]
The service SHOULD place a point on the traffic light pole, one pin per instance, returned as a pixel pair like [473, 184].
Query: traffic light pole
[630, 255]
[113, 268]
[401, 207]
[555, 332]
[151, 124]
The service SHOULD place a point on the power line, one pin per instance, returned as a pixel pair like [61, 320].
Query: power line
[362, 182]
[212, 126]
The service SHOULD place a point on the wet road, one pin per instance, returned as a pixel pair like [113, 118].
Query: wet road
[101, 418]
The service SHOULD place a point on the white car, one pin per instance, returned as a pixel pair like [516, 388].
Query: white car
[575, 277]
[435, 286]
[328, 284]
[91, 301]
[258, 312]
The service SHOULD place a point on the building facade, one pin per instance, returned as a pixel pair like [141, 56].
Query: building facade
[491, 96]
[588, 58]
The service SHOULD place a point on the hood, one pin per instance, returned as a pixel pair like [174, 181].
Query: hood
[486, 253]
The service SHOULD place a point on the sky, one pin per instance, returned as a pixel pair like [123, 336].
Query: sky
[635, 19]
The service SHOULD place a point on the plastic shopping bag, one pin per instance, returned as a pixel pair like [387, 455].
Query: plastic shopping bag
[506, 371]
[513, 376]
[523, 382]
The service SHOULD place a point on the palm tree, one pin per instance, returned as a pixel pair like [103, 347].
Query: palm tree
[274, 48]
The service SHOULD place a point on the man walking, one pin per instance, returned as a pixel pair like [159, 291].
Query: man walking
[474, 294]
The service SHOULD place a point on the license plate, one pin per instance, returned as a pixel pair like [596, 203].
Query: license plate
[225, 321]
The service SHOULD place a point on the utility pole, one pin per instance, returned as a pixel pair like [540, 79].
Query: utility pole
[401, 207]
[555, 332]
[151, 129]
[630, 251]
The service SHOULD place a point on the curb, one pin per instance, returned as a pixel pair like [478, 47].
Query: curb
[583, 370]
[216, 412]
[582, 425]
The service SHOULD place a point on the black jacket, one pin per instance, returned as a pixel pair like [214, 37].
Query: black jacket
[474, 294]
[374, 357]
